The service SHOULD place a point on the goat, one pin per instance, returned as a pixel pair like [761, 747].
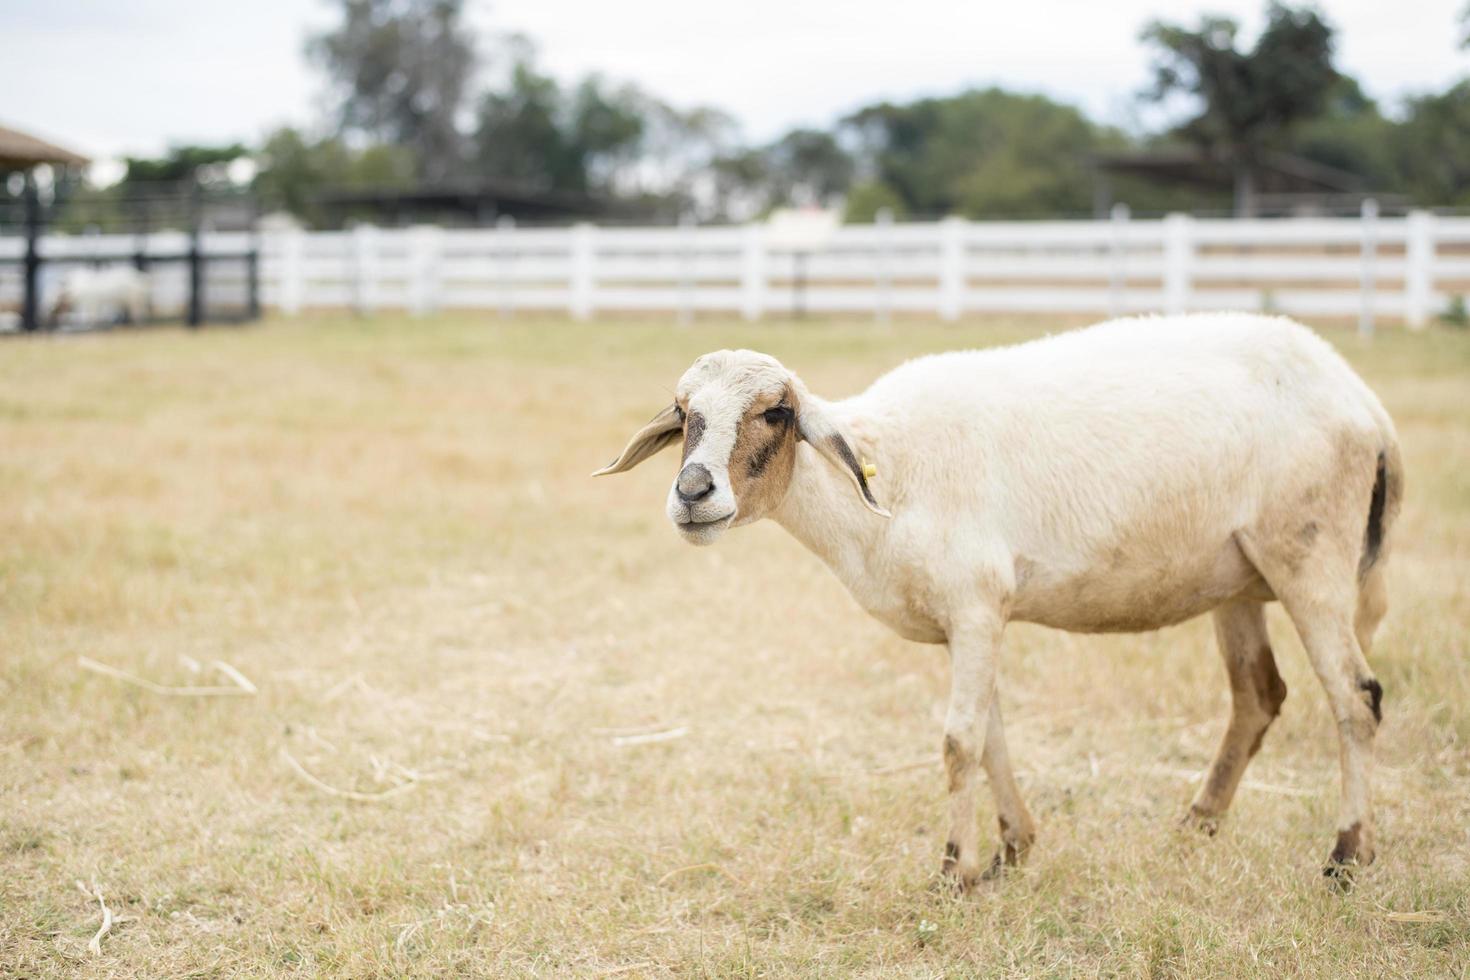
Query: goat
[1120, 478]
[103, 295]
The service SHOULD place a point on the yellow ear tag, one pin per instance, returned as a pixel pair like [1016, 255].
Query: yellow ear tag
[870, 469]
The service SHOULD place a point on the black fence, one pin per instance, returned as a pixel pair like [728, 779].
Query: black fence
[88, 259]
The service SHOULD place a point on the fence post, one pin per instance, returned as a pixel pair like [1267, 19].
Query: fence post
[1419, 271]
[951, 267]
[753, 272]
[1118, 260]
[423, 258]
[883, 273]
[195, 317]
[505, 227]
[583, 279]
[291, 254]
[30, 310]
[1178, 257]
[1369, 268]
[686, 270]
[365, 269]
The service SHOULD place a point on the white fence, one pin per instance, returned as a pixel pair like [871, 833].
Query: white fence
[1391, 268]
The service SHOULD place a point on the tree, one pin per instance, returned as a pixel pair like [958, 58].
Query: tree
[865, 200]
[1433, 145]
[403, 69]
[182, 163]
[293, 170]
[1351, 134]
[1246, 102]
[808, 166]
[981, 153]
[518, 132]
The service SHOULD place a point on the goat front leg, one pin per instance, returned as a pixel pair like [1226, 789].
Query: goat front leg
[973, 645]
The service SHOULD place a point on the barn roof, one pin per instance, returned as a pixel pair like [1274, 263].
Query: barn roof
[21, 151]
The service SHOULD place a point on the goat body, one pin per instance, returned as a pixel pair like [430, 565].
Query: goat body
[1120, 478]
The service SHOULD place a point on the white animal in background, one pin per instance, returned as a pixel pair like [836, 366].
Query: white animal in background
[103, 295]
[1115, 479]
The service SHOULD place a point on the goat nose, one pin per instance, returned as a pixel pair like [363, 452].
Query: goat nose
[694, 483]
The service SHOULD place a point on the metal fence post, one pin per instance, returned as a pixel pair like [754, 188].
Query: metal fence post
[1118, 260]
[583, 277]
[30, 310]
[1178, 257]
[951, 267]
[883, 272]
[753, 272]
[1367, 277]
[196, 255]
[1419, 271]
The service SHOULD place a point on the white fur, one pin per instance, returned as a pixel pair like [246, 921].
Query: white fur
[1120, 478]
[101, 295]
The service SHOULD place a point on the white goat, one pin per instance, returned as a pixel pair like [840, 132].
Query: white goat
[103, 295]
[1115, 479]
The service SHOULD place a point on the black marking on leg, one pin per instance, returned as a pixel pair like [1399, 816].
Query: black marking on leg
[951, 856]
[1374, 691]
[1373, 534]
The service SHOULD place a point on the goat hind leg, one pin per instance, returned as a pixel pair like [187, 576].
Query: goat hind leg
[1256, 694]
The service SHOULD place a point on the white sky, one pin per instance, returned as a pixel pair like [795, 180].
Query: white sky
[109, 77]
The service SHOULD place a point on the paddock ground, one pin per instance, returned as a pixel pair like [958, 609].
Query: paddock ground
[620, 755]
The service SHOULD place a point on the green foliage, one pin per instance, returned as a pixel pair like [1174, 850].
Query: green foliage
[402, 69]
[294, 169]
[807, 166]
[865, 200]
[1433, 145]
[181, 163]
[981, 153]
[537, 134]
[1455, 314]
[1245, 101]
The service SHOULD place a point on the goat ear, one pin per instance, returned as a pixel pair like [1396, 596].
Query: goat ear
[661, 432]
[816, 426]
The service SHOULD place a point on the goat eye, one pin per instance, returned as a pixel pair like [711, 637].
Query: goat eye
[777, 415]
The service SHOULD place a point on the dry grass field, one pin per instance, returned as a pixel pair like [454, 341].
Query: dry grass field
[585, 748]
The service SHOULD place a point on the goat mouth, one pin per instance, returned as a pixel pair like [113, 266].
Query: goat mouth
[691, 522]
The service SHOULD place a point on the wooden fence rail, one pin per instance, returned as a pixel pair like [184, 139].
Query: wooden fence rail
[1400, 269]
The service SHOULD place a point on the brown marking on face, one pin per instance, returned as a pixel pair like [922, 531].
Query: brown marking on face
[693, 432]
[764, 456]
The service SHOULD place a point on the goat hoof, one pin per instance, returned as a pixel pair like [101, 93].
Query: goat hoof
[1340, 878]
[1354, 850]
[1007, 858]
[1197, 819]
[954, 884]
[954, 878]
